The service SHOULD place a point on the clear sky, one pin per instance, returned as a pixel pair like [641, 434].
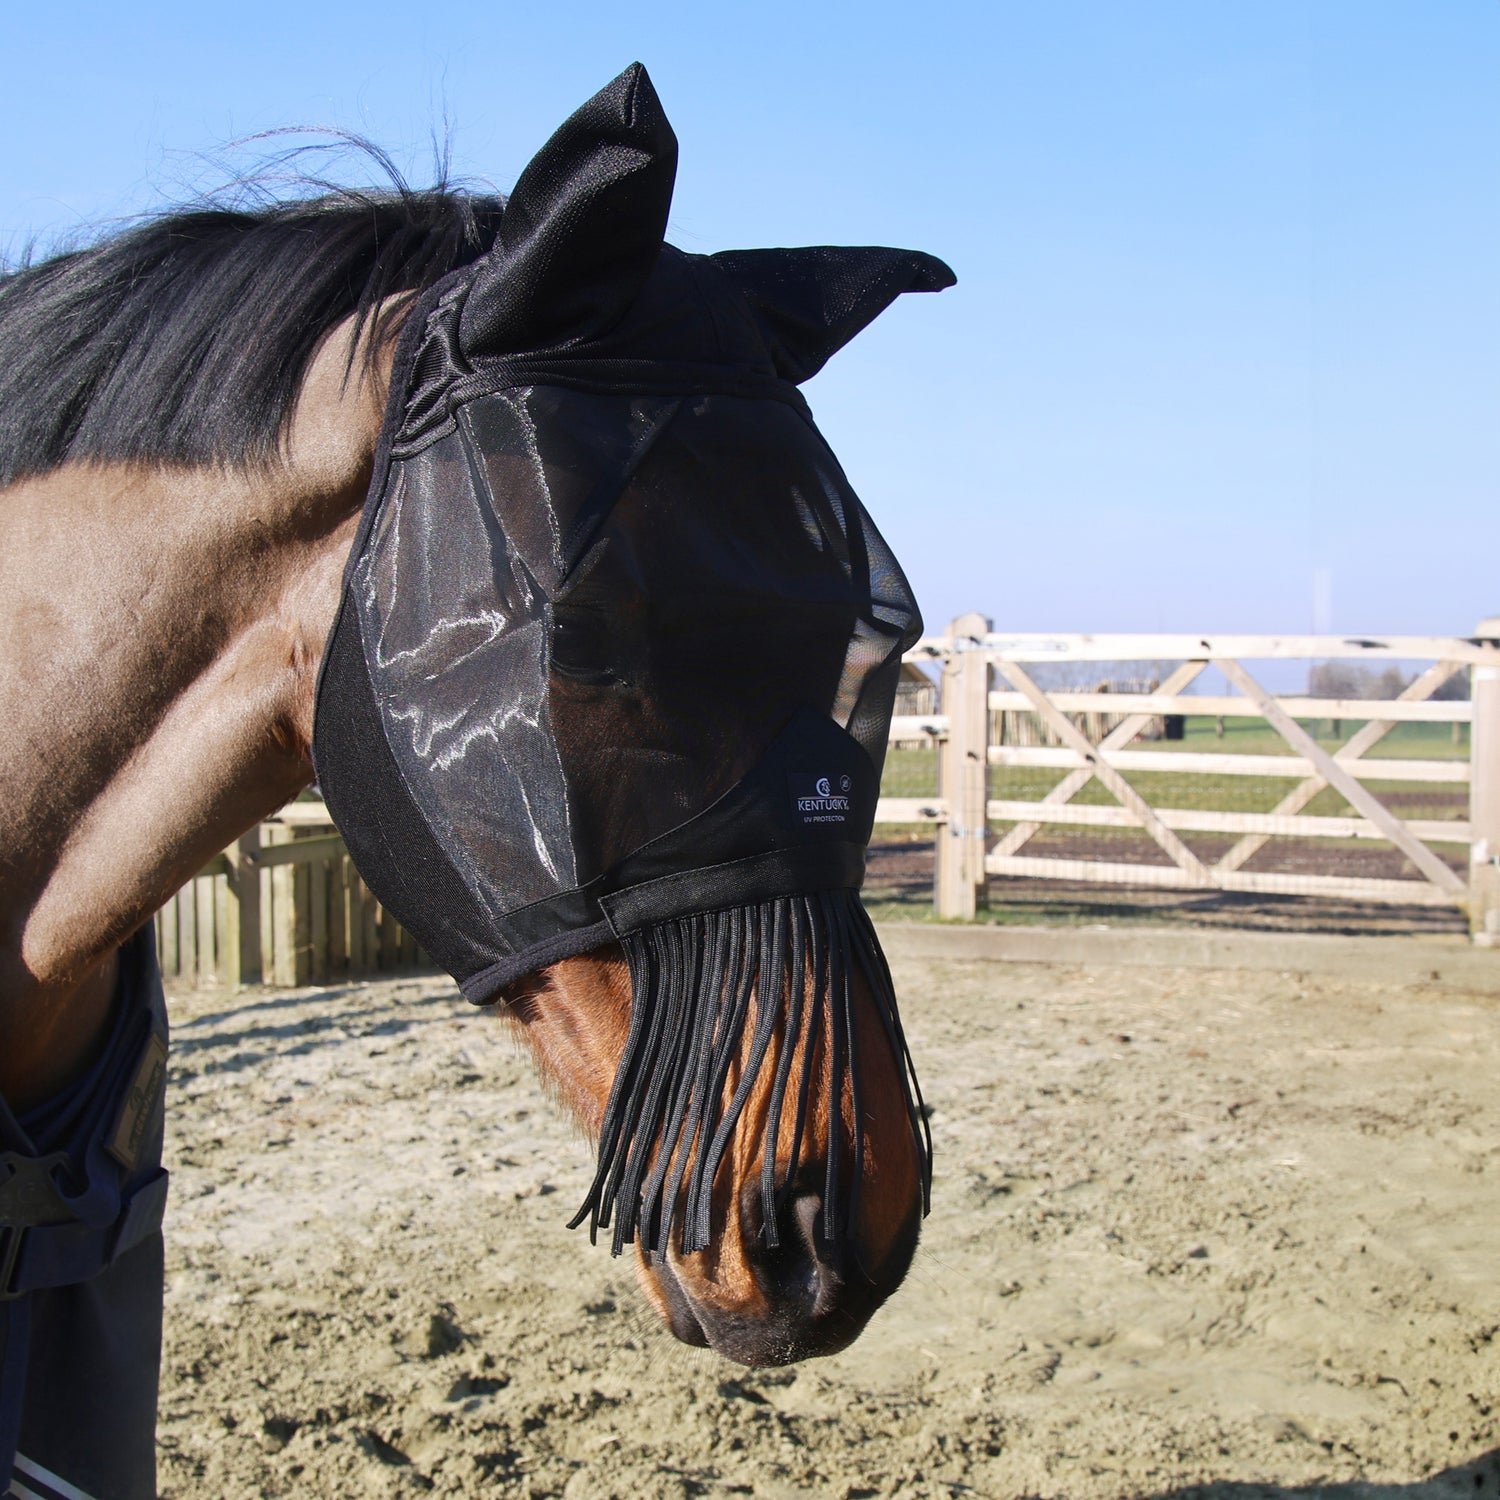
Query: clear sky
[1228, 311]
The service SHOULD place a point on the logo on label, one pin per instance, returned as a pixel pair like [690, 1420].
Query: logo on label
[820, 799]
[140, 1102]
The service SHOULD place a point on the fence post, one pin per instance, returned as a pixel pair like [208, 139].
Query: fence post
[963, 769]
[1484, 795]
[287, 928]
[242, 963]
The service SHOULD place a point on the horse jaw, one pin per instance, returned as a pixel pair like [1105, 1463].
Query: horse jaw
[752, 1304]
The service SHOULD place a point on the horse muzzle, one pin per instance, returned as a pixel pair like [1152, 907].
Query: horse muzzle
[804, 1297]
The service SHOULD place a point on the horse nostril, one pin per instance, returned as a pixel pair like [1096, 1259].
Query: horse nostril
[810, 1296]
[802, 1267]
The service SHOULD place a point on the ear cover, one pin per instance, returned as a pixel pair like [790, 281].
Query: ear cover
[582, 229]
[811, 302]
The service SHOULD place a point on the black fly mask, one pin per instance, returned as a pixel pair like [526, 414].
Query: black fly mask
[618, 650]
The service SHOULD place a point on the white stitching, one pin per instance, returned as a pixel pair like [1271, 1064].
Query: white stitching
[33, 1470]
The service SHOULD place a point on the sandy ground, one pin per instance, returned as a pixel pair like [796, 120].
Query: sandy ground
[1195, 1233]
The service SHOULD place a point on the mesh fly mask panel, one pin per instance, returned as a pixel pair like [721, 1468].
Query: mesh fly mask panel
[617, 654]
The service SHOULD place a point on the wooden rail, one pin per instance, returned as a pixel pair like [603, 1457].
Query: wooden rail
[984, 673]
[1209, 763]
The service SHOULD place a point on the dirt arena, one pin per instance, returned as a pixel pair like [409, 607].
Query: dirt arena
[1195, 1232]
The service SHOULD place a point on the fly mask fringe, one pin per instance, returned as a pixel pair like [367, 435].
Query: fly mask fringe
[696, 980]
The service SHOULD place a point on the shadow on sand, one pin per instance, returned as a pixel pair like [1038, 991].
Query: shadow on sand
[210, 1044]
[1478, 1478]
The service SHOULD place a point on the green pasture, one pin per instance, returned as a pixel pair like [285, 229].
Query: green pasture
[913, 773]
[1256, 737]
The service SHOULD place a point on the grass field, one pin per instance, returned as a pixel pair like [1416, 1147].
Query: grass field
[913, 773]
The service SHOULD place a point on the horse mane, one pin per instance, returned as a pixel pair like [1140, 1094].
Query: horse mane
[183, 338]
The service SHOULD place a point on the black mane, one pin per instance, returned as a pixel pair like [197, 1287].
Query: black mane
[183, 339]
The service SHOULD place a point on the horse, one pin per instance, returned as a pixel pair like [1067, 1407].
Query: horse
[192, 413]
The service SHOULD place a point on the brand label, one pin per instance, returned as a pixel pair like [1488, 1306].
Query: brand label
[139, 1103]
[819, 797]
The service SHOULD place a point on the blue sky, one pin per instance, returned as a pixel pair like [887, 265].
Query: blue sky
[1228, 308]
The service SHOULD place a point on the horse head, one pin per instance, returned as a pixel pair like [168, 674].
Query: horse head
[602, 718]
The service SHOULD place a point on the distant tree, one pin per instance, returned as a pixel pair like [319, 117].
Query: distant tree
[1456, 689]
[1339, 679]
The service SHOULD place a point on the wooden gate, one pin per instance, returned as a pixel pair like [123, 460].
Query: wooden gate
[983, 672]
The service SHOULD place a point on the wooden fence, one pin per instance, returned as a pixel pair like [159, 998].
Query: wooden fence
[286, 905]
[984, 674]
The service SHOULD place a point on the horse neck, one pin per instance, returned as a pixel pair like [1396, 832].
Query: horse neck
[160, 633]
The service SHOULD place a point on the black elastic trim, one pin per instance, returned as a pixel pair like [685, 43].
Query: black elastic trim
[760, 877]
[487, 986]
[740, 882]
